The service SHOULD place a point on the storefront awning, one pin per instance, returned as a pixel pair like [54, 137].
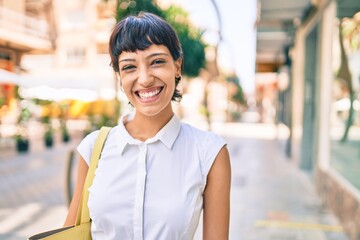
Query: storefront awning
[78, 83]
[276, 22]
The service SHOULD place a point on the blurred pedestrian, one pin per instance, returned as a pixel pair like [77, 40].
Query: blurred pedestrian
[155, 174]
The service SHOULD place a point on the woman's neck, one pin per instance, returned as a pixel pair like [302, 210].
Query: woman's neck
[143, 127]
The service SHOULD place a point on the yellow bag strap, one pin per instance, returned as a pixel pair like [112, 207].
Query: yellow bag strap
[83, 215]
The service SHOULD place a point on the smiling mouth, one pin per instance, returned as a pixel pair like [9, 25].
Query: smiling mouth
[148, 95]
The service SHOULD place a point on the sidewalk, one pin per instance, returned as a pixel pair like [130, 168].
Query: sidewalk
[271, 199]
[32, 187]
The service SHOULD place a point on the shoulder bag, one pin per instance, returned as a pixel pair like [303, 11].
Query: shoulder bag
[82, 228]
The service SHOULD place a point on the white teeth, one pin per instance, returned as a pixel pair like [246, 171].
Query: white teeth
[148, 94]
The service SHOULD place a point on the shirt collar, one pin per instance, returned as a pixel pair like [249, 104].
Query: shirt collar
[167, 135]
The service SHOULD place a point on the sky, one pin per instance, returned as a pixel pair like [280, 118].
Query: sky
[238, 48]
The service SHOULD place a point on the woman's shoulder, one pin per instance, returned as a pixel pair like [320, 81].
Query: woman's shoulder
[198, 134]
[207, 143]
[91, 137]
[87, 144]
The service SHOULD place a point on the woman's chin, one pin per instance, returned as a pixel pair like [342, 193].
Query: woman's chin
[154, 111]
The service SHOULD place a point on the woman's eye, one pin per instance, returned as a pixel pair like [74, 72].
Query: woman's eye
[127, 67]
[158, 61]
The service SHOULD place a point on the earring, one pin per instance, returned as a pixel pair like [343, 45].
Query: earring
[178, 77]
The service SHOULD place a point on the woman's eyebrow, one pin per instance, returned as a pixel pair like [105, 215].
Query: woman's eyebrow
[157, 54]
[150, 56]
[127, 60]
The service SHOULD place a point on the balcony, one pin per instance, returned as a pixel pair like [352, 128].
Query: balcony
[22, 32]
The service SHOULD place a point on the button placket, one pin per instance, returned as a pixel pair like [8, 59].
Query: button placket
[140, 193]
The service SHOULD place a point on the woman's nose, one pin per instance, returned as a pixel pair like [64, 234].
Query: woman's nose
[146, 79]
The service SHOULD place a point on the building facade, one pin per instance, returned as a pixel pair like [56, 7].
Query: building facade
[319, 127]
[81, 58]
[322, 52]
[24, 29]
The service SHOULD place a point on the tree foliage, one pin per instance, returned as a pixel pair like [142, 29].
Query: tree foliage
[189, 36]
[125, 8]
[238, 96]
[349, 31]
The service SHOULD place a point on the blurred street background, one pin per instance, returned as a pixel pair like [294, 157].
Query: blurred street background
[279, 80]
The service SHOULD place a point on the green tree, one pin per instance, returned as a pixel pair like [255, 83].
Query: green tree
[349, 31]
[238, 96]
[125, 8]
[190, 38]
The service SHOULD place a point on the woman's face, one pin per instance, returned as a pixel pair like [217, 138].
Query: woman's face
[148, 78]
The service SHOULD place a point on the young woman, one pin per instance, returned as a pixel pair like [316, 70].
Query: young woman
[155, 174]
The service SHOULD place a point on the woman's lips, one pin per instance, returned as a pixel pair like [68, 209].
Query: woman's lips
[149, 95]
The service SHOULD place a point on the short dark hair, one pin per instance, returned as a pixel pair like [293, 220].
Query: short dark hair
[139, 32]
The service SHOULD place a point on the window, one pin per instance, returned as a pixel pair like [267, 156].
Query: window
[345, 110]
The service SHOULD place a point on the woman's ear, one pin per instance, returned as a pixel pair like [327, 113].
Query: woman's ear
[178, 65]
[117, 76]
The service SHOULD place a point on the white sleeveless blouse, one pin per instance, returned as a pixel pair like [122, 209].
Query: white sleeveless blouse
[150, 190]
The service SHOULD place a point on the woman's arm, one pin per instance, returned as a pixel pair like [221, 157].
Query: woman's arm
[217, 198]
[74, 205]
